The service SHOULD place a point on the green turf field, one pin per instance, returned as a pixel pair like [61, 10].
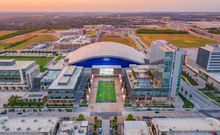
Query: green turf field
[106, 92]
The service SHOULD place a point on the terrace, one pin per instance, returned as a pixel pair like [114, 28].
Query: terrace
[146, 77]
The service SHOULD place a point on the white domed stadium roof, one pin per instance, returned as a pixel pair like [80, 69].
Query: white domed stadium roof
[106, 49]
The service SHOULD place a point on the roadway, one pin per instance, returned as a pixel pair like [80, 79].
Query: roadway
[200, 102]
[141, 46]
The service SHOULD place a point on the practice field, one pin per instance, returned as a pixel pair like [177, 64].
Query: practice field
[25, 40]
[106, 92]
[42, 61]
[35, 40]
[122, 40]
[180, 40]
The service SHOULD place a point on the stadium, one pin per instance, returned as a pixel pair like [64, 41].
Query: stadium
[106, 53]
[105, 62]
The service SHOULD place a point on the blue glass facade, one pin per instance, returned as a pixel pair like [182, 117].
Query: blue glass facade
[105, 61]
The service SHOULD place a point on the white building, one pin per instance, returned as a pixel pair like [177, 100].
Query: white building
[135, 128]
[185, 126]
[29, 125]
[17, 75]
[73, 128]
[65, 86]
[171, 57]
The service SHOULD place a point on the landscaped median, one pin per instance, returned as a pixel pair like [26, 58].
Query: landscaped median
[188, 79]
[187, 103]
[18, 102]
[211, 92]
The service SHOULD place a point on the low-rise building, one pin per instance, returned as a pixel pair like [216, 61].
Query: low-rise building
[29, 125]
[144, 82]
[48, 78]
[136, 128]
[186, 126]
[65, 86]
[17, 75]
[73, 128]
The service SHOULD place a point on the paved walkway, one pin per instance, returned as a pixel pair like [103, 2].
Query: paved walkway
[178, 104]
[105, 127]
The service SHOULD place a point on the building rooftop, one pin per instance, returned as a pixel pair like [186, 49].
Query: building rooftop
[106, 49]
[67, 78]
[144, 76]
[187, 124]
[73, 127]
[14, 65]
[28, 124]
[212, 47]
[215, 76]
[164, 45]
[50, 76]
[135, 128]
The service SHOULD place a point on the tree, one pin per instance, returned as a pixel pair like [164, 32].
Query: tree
[130, 117]
[81, 117]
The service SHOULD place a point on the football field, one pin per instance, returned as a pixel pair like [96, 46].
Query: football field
[106, 92]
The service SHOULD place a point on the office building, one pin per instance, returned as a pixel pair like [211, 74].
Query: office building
[17, 75]
[208, 57]
[65, 86]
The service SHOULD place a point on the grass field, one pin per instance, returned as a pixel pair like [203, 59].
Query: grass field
[153, 31]
[25, 40]
[42, 61]
[106, 92]
[35, 40]
[180, 40]
[5, 32]
[187, 103]
[28, 41]
[123, 40]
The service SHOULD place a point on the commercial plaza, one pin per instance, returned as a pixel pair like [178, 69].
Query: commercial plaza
[109, 59]
[135, 75]
[105, 75]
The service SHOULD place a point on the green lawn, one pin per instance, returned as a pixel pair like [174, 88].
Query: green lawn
[106, 91]
[179, 40]
[123, 40]
[186, 77]
[187, 103]
[42, 61]
[211, 92]
[153, 31]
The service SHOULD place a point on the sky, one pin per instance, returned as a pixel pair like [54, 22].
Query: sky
[109, 5]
